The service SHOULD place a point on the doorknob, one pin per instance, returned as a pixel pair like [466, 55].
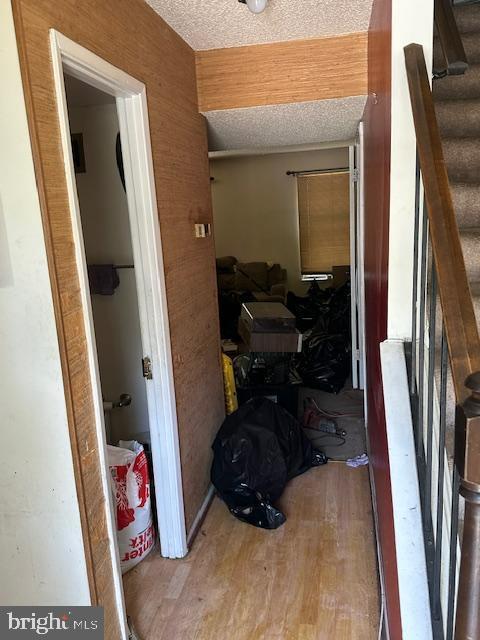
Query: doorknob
[124, 400]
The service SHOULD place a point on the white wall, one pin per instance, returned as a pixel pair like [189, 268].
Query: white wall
[41, 550]
[405, 30]
[106, 229]
[255, 206]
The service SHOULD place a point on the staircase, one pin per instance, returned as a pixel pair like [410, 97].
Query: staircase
[445, 373]
[457, 104]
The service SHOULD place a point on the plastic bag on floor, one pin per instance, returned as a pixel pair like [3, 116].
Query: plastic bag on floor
[257, 450]
[325, 361]
[131, 491]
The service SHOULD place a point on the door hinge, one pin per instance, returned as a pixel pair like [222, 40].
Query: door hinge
[355, 175]
[147, 368]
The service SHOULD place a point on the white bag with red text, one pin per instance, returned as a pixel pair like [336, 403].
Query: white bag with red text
[131, 490]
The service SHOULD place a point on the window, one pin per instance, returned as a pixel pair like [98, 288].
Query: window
[324, 219]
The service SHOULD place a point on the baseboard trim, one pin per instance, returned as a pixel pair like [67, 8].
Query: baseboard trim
[200, 517]
[383, 631]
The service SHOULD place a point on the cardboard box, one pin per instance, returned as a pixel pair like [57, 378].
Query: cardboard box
[268, 341]
[268, 317]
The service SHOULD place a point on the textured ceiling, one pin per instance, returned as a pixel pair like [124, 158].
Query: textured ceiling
[212, 24]
[287, 124]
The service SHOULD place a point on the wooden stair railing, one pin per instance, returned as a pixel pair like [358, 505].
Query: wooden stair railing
[450, 39]
[460, 329]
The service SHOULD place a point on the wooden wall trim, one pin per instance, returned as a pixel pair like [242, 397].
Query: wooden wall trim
[377, 152]
[282, 72]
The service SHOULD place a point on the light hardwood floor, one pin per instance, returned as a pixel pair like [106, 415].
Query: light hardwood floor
[315, 578]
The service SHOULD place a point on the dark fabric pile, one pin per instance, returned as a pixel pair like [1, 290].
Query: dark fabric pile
[257, 450]
[229, 306]
[324, 318]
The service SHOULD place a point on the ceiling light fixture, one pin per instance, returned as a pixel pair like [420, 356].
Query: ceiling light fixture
[255, 6]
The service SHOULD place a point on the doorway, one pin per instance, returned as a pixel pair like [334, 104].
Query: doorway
[233, 566]
[112, 200]
[288, 232]
[100, 180]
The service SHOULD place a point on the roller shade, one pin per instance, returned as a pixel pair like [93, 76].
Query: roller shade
[324, 219]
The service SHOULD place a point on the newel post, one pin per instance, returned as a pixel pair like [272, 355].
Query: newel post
[467, 459]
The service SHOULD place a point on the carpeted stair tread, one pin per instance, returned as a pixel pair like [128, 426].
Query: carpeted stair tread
[470, 245]
[462, 158]
[466, 201]
[471, 44]
[459, 87]
[468, 18]
[457, 105]
[450, 400]
[475, 289]
[458, 118]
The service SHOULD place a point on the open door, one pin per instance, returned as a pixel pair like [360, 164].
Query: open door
[357, 262]
[130, 98]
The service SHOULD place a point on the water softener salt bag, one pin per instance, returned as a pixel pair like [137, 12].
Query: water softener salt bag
[131, 491]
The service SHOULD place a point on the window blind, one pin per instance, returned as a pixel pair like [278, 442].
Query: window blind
[324, 219]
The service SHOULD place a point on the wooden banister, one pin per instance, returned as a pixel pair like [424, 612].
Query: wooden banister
[450, 39]
[455, 296]
[461, 332]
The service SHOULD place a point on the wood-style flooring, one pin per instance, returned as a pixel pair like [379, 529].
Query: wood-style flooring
[315, 578]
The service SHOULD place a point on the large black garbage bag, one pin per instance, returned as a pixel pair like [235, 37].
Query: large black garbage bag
[325, 309]
[325, 362]
[257, 450]
[310, 309]
[340, 311]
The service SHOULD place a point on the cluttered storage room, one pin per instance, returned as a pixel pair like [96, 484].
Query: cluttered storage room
[286, 248]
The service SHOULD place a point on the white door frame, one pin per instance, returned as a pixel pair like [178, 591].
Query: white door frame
[357, 272]
[353, 267]
[360, 223]
[130, 94]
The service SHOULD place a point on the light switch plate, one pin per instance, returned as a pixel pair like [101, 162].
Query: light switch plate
[203, 230]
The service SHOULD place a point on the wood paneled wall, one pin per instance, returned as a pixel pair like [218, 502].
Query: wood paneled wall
[129, 35]
[377, 119]
[282, 72]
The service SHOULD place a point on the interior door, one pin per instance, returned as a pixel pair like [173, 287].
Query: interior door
[357, 265]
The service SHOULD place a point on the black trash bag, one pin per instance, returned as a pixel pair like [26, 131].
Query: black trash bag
[229, 307]
[325, 362]
[340, 311]
[229, 310]
[310, 309]
[256, 451]
[329, 306]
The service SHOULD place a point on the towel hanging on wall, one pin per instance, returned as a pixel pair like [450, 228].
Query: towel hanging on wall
[103, 279]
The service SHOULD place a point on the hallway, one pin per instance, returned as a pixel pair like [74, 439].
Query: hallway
[315, 578]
